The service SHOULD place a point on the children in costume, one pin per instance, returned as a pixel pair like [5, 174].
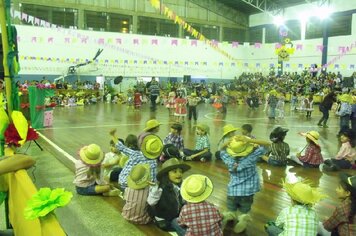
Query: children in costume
[278, 150]
[165, 201]
[312, 156]
[135, 208]
[193, 101]
[173, 143]
[198, 217]
[152, 127]
[346, 155]
[300, 218]
[241, 156]
[87, 172]
[344, 111]
[181, 108]
[343, 219]
[201, 152]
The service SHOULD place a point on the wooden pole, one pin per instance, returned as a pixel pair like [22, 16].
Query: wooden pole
[5, 47]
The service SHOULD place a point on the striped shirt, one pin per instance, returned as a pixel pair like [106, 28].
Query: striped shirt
[201, 218]
[298, 220]
[244, 180]
[279, 151]
[82, 177]
[135, 157]
[176, 140]
[135, 208]
[202, 142]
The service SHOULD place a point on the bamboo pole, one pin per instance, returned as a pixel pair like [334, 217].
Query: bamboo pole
[5, 47]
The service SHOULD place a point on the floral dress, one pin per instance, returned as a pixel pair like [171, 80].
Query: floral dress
[181, 107]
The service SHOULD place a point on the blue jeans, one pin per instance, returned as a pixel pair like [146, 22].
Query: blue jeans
[179, 229]
[344, 123]
[241, 203]
[272, 112]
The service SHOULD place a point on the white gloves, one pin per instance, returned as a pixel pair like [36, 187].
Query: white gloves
[154, 195]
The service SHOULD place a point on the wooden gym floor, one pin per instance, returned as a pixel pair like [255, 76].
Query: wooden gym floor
[75, 127]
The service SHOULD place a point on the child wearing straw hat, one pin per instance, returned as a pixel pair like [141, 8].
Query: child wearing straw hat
[193, 101]
[228, 132]
[152, 127]
[87, 172]
[165, 201]
[149, 151]
[343, 219]
[135, 208]
[201, 152]
[198, 217]
[241, 156]
[300, 218]
[278, 150]
[312, 157]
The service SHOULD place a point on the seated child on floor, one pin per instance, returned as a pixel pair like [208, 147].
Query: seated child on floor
[300, 218]
[201, 152]
[346, 156]
[246, 130]
[228, 132]
[343, 219]
[87, 173]
[198, 217]
[312, 157]
[173, 143]
[135, 208]
[278, 150]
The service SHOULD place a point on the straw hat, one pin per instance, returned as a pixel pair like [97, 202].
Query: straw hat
[312, 135]
[196, 188]
[151, 146]
[139, 176]
[172, 164]
[273, 92]
[228, 129]
[345, 98]
[151, 124]
[303, 193]
[239, 148]
[123, 160]
[193, 94]
[203, 127]
[91, 155]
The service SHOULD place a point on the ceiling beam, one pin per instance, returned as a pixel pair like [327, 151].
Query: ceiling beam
[267, 6]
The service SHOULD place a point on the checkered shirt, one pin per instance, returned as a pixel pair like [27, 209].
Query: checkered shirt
[176, 140]
[244, 181]
[201, 219]
[202, 142]
[135, 157]
[340, 219]
[312, 155]
[298, 220]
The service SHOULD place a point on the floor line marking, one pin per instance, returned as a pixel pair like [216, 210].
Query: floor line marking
[66, 154]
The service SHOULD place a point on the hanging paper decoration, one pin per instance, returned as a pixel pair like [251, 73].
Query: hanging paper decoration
[285, 49]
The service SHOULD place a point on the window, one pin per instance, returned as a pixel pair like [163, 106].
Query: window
[40, 12]
[231, 34]
[255, 35]
[340, 25]
[293, 29]
[168, 28]
[119, 23]
[314, 28]
[96, 20]
[147, 26]
[272, 34]
[210, 32]
[64, 17]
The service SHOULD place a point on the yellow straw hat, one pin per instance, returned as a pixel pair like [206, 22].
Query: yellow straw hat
[313, 136]
[346, 98]
[172, 164]
[239, 148]
[123, 160]
[91, 155]
[151, 124]
[151, 146]
[196, 188]
[303, 193]
[228, 129]
[139, 176]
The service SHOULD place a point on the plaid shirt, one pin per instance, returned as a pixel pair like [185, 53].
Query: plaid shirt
[279, 151]
[244, 181]
[202, 142]
[298, 220]
[201, 219]
[135, 157]
[340, 220]
[312, 155]
[176, 140]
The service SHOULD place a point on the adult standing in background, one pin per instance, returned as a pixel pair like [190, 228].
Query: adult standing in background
[153, 89]
[325, 107]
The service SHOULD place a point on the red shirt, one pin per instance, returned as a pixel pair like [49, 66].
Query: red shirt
[312, 155]
[201, 218]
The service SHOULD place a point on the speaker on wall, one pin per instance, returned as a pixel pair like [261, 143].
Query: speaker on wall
[187, 79]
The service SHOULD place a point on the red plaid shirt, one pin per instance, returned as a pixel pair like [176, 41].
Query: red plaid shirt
[201, 219]
[340, 220]
[312, 155]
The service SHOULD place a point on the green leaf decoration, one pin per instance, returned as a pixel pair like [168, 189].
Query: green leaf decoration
[46, 201]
